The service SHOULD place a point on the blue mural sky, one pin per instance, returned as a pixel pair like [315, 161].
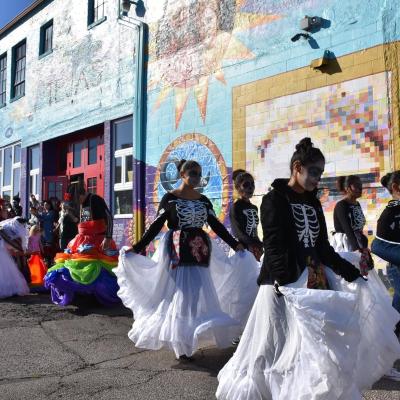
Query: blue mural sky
[10, 9]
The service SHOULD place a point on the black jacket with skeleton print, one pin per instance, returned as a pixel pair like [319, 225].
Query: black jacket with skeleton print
[283, 256]
[244, 222]
[189, 217]
[349, 219]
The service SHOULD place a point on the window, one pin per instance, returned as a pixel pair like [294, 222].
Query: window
[3, 79]
[96, 12]
[34, 166]
[77, 154]
[46, 39]
[92, 151]
[18, 76]
[123, 167]
[92, 185]
[10, 171]
[55, 190]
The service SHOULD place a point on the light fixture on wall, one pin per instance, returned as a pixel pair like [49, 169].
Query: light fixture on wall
[126, 5]
[310, 23]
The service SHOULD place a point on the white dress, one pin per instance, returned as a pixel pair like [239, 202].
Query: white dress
[299, 346]
[186, 306]
[12, 282]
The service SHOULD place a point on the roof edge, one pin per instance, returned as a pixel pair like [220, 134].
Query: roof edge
[23, 16]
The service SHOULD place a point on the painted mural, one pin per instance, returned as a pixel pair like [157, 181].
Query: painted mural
[191, 42]
[214, 183]
[348, 121]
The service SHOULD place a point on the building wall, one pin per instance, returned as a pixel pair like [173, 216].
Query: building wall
[86, 80]
[219, 70]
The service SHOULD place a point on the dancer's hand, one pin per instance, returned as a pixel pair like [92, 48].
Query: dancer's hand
[239, 247]
[351, 274]
[276, 289]
[106, 244]
[131, 250]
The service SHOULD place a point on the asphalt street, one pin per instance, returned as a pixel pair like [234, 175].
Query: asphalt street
[48, 352]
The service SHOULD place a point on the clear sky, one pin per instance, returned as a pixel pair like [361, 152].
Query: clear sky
[11, 8]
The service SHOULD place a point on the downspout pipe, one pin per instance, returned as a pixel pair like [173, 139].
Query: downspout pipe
[139, 115]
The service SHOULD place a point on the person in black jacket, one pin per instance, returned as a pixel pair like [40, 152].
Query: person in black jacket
[294, 225]
[244, 215]
[386, 245]
[387, 241]
[349, 222]
[299, 339]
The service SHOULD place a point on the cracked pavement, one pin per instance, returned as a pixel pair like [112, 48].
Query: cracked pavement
[49, 352]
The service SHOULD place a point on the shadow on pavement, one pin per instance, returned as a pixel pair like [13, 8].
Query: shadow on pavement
[387, 385]
[209, 359]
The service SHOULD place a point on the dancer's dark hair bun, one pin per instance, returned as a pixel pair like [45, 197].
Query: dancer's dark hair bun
[306, 153]
[389, 179]
[180, 164]
[304, 145]
[340, 183]
[385, 180]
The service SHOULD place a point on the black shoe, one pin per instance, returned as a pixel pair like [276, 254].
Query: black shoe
[185, 358]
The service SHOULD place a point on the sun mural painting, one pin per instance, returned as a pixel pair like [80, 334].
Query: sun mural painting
[191, 42]
[214, 183]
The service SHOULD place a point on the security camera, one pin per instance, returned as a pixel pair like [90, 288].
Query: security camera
[297, 36]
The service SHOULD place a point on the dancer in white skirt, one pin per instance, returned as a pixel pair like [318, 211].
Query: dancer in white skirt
[13, 240]
[349, 222]
[310, 334]
[244, 215]
[190, 293]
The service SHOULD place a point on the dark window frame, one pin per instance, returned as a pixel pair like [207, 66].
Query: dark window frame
[3, 79]
[18, 70]
[46, 41]
[94, 16]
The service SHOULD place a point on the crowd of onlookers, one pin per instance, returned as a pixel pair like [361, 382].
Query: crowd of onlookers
[52, 224]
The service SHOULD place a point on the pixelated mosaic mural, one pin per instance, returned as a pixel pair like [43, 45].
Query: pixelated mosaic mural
[349, 122]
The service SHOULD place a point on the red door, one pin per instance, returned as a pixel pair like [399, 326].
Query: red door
[54, 186]
[85, 158]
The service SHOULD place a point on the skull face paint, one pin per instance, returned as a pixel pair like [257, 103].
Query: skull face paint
[246, 189]
[192, 177]
[310, 175]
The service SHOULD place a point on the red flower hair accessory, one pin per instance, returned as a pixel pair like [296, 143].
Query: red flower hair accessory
[67, 197]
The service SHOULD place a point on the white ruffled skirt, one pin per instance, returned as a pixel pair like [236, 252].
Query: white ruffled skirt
[12, 282]
[313, 344]
[187, 307]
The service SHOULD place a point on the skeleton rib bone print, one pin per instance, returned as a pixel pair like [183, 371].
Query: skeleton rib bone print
[251, 221]
[307, 224]
[191, 213]
[357, 218]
